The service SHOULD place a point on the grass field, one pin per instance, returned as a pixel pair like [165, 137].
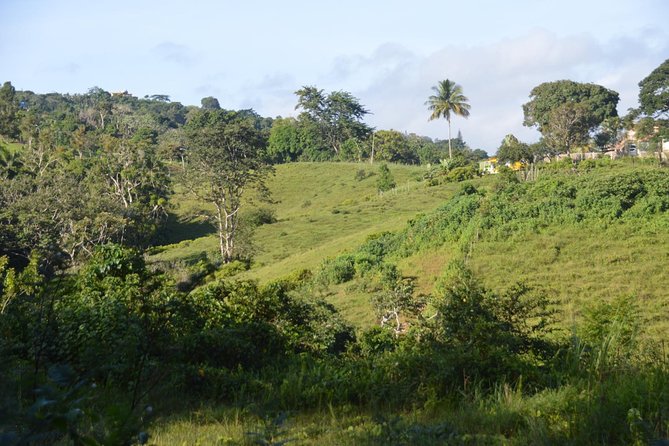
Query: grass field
[321, 209]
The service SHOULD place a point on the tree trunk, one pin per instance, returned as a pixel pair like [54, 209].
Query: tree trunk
[227, 226]
[450, 151]
[220, 220]
[371, 159]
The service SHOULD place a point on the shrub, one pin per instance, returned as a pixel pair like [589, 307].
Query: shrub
[486, 335]
[361, 174]
[462, 173]
[338, 270]
[385, 181]
[260, 216]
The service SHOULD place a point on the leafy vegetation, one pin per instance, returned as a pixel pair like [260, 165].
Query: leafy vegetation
[449, 309]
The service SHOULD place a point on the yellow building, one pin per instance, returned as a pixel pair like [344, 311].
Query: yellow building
[491, 166]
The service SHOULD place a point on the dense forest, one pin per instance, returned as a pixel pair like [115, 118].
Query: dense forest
[106, 340]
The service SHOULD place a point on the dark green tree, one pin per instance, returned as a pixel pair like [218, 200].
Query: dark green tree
[337, 116]
[448, 99]
[566, 112]
[512, 150]
[385, 181]
[210, 103]
[8, 111]
[654, 93]
[393, 146]
[285, 140]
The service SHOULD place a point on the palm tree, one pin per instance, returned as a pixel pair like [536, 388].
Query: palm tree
[448, 99]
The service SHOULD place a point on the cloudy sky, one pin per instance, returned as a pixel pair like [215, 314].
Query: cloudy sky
[255, 54]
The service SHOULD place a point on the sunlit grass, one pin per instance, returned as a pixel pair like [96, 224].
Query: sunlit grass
[322, 210]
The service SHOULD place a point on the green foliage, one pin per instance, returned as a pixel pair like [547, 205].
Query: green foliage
[285, 140]
[260, 216]
[512, 150]
[8, 111]
[600, 102]
[385, 181]
[654, 91]
[210, 103]
[226, 157]
[233, 317]
[338, 270]
[451, 170]
[66, 410]
[396, 302]
[446, 223]
[489, 335]
[375, 341]
[394, 147]
[116, 311]
[566, 111]
[332, 118]
[614, 326]
[113, 260]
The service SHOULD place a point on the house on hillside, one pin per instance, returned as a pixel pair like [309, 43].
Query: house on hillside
[491, 166]
[488, 166]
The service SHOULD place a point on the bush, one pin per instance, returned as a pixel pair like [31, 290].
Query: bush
[489, 336]
[385, 181]
[338, 270]
[462, 173]
[361, 174]
[260, 216]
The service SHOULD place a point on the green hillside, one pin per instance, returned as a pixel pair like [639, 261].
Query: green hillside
[321, 210]
[580, 248]
[593, 239]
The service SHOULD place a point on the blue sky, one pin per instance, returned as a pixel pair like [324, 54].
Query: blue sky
[255, 54]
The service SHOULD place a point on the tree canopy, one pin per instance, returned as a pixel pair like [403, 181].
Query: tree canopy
[654, 93]
[336, 117]
[226, 157]
[565, 112]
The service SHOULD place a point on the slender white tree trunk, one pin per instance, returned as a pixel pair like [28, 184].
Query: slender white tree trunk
[450, 151]
[220, 219]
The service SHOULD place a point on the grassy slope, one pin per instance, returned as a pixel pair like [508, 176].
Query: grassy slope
[322, 210]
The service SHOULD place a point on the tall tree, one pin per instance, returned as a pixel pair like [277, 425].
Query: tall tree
[448, 99]
[285, 140]
[566, 112]
[8, 110]
[225, 158]
[338, 115]
[654, 93]
[567, 127]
